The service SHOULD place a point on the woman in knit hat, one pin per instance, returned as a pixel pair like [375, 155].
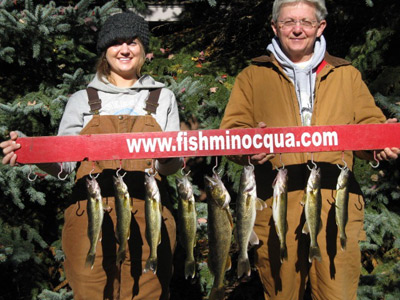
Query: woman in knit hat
[119, 99]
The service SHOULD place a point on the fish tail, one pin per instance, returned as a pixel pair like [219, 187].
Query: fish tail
[190, 268]
[151, 265]
[315, 253]
[243, 267]
[217, 293]
[90, 260]
[343, 240]
[121, 256]
[283, 253]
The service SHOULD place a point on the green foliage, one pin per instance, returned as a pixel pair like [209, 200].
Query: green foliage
[63, 294]
[381, 250]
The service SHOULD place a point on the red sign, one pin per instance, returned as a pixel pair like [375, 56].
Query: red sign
[217, 142]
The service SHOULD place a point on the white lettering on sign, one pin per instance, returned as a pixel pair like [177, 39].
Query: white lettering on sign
[270, 141]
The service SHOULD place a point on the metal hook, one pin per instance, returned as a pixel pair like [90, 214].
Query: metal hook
[90, 174]
[345, 163]
[250, 164]
[29, 175]
[280, 160]
[79, 207]
[312, 161]
[151, 171]
[120, 168]
[59, 174]
[377, 161]
[183, 168]
[216, 165]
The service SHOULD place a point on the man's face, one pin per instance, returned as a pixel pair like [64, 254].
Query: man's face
[297, 28]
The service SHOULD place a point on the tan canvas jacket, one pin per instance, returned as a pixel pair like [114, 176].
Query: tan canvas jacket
[264, 93]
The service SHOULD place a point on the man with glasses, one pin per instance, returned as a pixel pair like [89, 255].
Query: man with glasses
[299, 84]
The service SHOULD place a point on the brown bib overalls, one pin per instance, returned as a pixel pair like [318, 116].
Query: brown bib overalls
[107, 280]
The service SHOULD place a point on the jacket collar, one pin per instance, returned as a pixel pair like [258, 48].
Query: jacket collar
[331, 60]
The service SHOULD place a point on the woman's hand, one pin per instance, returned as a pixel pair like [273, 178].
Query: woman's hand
[9, 148]
[260, 158]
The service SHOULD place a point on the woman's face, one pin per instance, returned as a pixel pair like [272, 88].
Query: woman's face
[124, 59]
[297, 28]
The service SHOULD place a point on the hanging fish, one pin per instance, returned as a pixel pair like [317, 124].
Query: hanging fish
[312, 207]
[279, 210]
[95, 214]
[153, 210]
[341, 205]
[246, 205]
[123, 210]
[220, 225]
[187, 222]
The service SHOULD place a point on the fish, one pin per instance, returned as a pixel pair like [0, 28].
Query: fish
[341, 205]
[123, 210]
[95, 213]
[312, 202]
[246, 205]
[279, 210]
[220, 224]
[187, 218]
[153, 210]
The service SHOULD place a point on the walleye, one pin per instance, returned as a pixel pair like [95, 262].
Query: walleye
[153, 209]
[95, 214]
[123, 210]
[220, 225]
[279, 210]
[312, 207]
[246, 205]
[341, 205]
[187, 222]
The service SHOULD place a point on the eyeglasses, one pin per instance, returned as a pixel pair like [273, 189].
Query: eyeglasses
[291, 23]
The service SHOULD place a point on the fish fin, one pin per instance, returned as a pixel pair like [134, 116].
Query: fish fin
[121, 256]
[315, 253]
[253, 239]
[274, 182]
[159, 238]
[305, 228]
[190, 268]
[217, 293]
[303, 200]
[243, 267]
[151, 265]
[229, 217]
[260, 204]
[117, 239]
[226, 203]
[320, 226]
[90, 260]
[283, 253]
[248, 200]
[343, 240]
[228, 264]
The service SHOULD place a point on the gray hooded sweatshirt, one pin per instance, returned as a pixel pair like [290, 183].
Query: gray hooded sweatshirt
[119, 101]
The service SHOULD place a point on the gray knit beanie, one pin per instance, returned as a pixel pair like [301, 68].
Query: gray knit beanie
[123, 26]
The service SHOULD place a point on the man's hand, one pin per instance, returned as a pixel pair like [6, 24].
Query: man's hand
[261, 158]
[389, 153]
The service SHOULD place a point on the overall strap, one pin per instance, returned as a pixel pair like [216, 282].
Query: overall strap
[94, 100]
[152, 101]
